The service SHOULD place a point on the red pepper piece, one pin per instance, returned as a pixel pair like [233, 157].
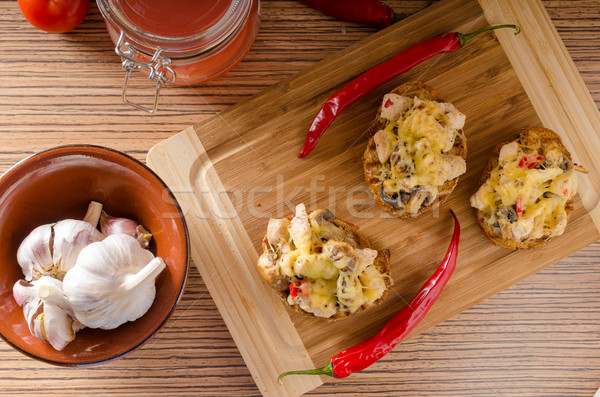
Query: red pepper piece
[293, 291]
[388, 103]
[370, 350]
[381, 74]
[519, 206]
[301, 287]
[531, 160]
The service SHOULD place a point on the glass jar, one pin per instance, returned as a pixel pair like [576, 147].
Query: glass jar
[183, 42]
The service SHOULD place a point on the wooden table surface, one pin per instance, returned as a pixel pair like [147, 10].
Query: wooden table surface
[538, 338]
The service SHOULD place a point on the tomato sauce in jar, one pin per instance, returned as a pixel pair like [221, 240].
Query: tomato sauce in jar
[183, 42]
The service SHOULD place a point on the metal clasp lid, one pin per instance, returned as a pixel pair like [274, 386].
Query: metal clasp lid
[159, 69]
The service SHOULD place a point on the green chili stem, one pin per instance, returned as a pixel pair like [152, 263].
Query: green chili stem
[465, 37]
[326, 370]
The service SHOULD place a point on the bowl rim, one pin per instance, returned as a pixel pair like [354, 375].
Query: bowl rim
[100, 148]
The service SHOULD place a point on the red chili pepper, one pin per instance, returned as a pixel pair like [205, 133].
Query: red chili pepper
[370, 350]
[370, 12]
[531, 160]
[388, 103]
[381, 74]
[293, 290]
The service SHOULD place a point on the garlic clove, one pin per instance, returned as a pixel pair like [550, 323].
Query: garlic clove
[46, 311]
[143, 236]
[35, 252]
[112, 225]
[52, 249]
[57, 325]
[70, 237]
[112, 282]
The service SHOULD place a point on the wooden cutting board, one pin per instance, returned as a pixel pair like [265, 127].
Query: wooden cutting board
[233, 171]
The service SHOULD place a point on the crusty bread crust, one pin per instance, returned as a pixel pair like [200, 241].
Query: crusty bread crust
[371, 164]
[382, 263]
[545, 137]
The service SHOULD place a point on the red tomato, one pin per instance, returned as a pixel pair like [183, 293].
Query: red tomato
[55, 16]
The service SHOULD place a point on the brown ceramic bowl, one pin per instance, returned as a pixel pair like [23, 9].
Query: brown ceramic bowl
[59, 183]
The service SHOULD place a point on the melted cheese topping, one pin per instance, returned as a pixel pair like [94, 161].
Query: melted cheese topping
[526, 199]
[333, 275]
[414, 146]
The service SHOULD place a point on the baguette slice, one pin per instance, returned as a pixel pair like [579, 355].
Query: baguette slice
[325, 229]
[506, 223]
[398, 204]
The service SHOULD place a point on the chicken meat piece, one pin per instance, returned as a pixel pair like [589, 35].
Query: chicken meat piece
[300, 230]
[269, 270]
[452, 166]
[508, 153]
[277, 231]
[382, 145]
[394, 105]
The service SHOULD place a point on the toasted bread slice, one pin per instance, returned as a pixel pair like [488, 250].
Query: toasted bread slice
[333, 230]
[539, 150]
[376, 171]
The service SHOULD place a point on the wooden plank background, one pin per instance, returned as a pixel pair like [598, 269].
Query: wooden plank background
[537, 338]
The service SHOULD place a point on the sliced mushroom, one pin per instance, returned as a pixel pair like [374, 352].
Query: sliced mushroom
[395, 199]
[421, 195]
[349, 292]
[327, 230]
[321, 216]
[507, 212]
[341, 254]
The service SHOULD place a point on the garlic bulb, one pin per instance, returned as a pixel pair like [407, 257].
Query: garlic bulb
[111, 225]
[112, 282]
[52, 249]
[46, 310]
